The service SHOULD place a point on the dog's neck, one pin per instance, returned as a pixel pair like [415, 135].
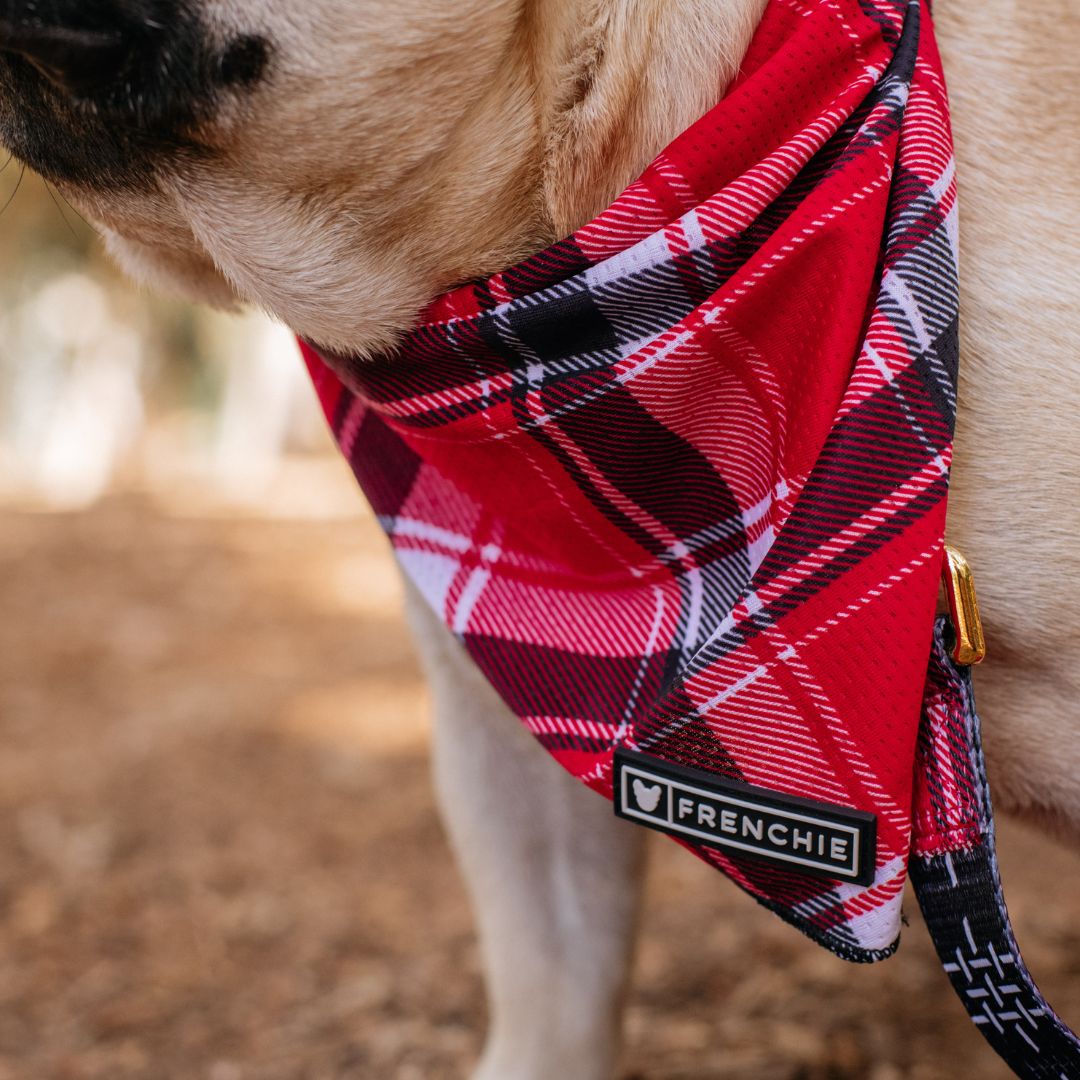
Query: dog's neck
[616, 81]
[587, 94]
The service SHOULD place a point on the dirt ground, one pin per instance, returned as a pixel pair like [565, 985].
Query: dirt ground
[219, 856]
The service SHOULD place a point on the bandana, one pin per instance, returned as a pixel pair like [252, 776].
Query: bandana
[678, 482]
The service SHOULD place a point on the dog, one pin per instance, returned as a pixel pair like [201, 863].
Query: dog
[340, 162]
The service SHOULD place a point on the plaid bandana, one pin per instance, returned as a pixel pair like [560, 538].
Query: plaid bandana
[678, 482]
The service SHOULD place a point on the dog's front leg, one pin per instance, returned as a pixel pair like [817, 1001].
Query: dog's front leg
[554, 877]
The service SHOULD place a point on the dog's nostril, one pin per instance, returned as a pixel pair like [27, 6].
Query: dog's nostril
[244, 61]
[73, 58]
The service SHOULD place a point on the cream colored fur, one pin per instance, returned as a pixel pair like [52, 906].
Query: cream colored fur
[404, 146]
[1015, 88]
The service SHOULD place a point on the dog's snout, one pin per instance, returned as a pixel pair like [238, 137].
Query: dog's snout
[153, 56]
[107, 91]
[75, 58]
[81, 46]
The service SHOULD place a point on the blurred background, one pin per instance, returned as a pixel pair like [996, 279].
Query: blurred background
[219, 855]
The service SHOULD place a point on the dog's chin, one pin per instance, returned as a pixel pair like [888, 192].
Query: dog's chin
[187, 274]
[356, 306]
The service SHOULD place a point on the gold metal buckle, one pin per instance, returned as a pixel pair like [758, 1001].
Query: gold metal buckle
[970, 647]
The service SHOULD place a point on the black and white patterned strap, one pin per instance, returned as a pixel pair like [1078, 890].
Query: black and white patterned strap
[954, 870]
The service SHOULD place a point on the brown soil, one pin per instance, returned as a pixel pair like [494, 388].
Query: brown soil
[220, 857]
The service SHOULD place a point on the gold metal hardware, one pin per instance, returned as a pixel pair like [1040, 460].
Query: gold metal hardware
[970, 647]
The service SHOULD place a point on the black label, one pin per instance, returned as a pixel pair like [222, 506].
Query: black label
[811, 837]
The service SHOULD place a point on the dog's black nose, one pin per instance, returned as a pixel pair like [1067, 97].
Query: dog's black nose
[104, 91]
[127, 52]
[76, 58]
[79, 45]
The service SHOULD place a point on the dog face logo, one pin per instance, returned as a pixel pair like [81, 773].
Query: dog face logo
[647, 795]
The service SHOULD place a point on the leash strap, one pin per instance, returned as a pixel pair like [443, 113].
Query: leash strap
[954, 870]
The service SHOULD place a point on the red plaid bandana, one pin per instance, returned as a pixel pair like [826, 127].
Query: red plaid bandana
[678, 482]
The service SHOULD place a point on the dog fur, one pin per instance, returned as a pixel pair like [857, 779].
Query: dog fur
[396, 148]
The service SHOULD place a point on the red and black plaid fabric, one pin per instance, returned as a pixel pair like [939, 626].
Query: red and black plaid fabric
[678, 482]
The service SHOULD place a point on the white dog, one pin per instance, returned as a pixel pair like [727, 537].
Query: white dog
[340, 162]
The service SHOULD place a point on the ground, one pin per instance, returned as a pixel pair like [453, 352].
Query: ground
[220, 859]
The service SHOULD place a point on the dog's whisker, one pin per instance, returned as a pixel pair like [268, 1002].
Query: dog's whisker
[60, 210]
[67, 202]
[15, 191]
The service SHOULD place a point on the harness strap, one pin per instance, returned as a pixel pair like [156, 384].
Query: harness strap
[955, 873]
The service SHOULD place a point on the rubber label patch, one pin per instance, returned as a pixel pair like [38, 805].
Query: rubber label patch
[812, 837]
